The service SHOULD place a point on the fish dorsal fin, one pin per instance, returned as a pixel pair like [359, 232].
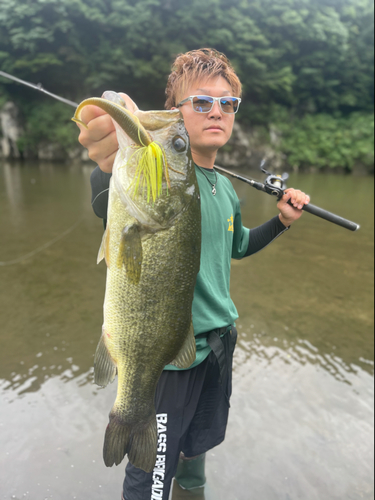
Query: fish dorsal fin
[104, 248]
[186, 357]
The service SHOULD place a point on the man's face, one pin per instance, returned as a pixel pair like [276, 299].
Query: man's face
[208, 131]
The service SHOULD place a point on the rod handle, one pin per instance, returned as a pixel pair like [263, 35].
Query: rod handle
[329, 216]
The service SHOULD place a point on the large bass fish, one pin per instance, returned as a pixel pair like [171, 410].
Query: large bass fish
[152, 249]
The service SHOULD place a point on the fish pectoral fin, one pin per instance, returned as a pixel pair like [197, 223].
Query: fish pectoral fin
[104, 248]
[105, 368]
[187, 354]
[130, 252]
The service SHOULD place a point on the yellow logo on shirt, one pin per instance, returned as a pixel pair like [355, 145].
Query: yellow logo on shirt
[231, 226]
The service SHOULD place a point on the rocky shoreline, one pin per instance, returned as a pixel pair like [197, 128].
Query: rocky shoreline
[245, 149]
[12, 130]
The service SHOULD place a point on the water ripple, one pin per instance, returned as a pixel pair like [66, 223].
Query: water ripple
[256, 349]
[31, 379]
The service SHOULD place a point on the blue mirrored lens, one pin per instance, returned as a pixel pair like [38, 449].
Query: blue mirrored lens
[229, 104]
[202, 103]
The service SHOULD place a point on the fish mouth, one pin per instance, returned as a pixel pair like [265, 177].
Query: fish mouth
[149, 156]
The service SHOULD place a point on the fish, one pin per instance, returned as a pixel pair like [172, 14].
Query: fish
[151, 247]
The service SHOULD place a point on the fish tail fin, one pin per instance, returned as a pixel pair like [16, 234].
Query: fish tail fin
[139, 442]
[116, 441]
[142, 453]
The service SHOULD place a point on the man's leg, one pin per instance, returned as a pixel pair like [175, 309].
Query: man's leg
[191, 472]
[209, 424]
[139, 485]
[179, 493]
[176, 400]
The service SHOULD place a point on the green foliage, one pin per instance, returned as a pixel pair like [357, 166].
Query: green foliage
[314, 55]
[325, 141]
[48, 123]
[309, 57]
[3, 99]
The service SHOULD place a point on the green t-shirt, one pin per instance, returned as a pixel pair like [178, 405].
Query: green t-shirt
[223, 238]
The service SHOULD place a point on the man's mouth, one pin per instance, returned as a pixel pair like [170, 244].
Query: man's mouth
[214, 128]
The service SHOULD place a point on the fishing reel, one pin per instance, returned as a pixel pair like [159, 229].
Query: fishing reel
[274, 184]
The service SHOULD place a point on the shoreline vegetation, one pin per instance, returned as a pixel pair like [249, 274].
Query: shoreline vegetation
[307, 67]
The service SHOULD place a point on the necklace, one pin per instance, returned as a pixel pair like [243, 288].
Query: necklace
[212, 185]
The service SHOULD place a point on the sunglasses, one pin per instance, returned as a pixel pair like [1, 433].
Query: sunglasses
[204, 103]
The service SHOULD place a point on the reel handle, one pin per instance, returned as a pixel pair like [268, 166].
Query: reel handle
[329, 216]
[275, 185]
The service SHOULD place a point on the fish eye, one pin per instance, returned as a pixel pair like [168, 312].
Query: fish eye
[179, 144]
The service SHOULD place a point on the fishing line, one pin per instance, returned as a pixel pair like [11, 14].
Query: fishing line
[39, 87]
[97, 196]
[43, 247]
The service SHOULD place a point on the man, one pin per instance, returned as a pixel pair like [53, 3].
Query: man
[192, 405]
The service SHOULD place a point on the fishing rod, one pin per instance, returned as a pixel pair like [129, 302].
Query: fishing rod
[273, 185]
[39, 87]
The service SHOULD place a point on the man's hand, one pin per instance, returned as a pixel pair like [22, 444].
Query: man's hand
[100, 138]
[290, 214]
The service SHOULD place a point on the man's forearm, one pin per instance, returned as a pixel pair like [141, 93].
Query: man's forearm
[263, 235]
[260, 237]
[100, 186]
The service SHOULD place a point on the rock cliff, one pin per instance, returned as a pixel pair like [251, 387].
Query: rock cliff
[10, 131]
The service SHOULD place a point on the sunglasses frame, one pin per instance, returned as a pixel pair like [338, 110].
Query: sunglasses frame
[214, 99]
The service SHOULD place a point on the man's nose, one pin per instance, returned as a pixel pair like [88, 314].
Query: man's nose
[215, 111]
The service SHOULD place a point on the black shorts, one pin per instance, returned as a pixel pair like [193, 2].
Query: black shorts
[192, 408]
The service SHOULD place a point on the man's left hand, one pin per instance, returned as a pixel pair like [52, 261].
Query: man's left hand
[289, 214]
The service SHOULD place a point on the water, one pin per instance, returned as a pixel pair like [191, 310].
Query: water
[301, 425]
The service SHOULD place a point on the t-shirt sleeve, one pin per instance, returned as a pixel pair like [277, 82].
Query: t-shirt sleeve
[241, 235]
[100, 187]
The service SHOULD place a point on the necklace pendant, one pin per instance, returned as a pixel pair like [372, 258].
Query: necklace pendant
[214, 190]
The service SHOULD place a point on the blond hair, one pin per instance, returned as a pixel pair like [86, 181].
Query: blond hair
[198, 65]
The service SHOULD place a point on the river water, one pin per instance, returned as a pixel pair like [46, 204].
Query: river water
[301, 424]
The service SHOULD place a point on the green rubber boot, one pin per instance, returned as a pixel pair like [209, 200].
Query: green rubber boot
[179, 494]
[190, 472]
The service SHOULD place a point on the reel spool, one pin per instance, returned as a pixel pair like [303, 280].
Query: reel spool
[274, 184]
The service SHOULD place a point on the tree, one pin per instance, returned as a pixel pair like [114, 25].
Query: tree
[302, 56]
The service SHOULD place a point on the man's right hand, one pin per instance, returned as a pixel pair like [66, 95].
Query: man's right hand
[100, 138]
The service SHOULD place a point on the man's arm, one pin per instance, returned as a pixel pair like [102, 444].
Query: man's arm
[263, 235]
[100, 186]
[100, 138]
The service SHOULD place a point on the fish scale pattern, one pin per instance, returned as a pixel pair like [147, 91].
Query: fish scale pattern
[148, 323]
